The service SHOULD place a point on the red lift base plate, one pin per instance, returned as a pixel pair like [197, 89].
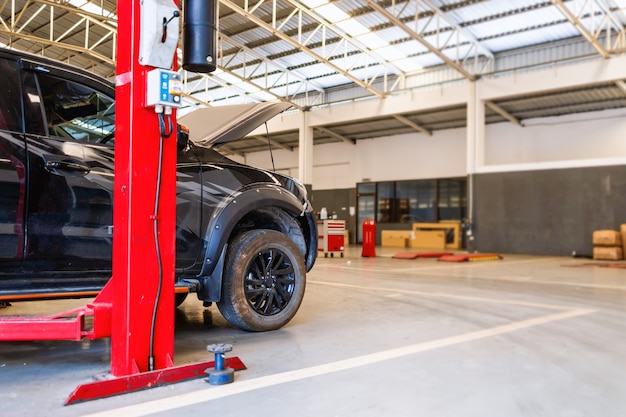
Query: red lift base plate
[145, 380]
[415, 255]
[471, 257]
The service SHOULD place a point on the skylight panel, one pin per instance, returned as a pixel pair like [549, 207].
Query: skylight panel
[91, 8]
[391, 53]
[248, 88]
[352, 27]
[229, 78]
[263, 96]
[332, 13]
[313, 3]
[410, 64]
[372, 41]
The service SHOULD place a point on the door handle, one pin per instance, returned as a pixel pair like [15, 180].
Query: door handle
[67, 167]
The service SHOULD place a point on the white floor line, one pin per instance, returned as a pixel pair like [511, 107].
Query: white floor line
[530, 281]
[428, 271]
[438, 266]
[442, 295]
[239, 387]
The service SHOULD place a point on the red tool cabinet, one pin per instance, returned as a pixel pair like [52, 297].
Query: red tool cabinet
[331, 235]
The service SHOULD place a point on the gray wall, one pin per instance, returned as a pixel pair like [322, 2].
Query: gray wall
[551, 212]
[340, 202]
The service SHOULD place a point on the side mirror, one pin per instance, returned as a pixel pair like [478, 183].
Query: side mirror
[182, 138]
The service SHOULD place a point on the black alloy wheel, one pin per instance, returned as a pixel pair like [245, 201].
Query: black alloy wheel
[264, 281]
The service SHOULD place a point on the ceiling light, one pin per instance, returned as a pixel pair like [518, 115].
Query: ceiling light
[332, 13]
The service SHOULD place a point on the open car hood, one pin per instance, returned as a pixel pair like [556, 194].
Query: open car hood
[221, 124]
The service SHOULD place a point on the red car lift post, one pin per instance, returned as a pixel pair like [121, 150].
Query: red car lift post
[124, 308]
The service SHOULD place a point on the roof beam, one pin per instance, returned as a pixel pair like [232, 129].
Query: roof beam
[576, 21]
[455, 25]
[412, 124]
[48, 42]
[335, 135]
[275, 28]
[508, 116]
[420, 38]
[272, 142]
[622, 85]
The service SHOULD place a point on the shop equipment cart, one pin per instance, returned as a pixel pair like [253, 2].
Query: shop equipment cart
[331, 235]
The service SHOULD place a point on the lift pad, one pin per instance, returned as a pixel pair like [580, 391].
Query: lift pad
[415, 255]
[136, 382]
[471, 257]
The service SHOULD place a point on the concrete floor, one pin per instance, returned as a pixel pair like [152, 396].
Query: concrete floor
[525, 336]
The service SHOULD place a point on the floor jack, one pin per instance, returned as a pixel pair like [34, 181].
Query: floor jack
[141, 289]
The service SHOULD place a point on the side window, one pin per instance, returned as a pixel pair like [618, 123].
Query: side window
[10, 105]
[75, 111]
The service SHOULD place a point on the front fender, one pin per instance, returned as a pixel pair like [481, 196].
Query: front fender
[233, 209]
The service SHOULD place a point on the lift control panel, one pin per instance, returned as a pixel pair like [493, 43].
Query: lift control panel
[164, 88]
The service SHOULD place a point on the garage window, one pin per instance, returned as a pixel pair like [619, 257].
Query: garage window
[414, 200]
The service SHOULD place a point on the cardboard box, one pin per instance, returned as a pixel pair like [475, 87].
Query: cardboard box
[608, 253]
[607, 238]
[428, 239]
[395, 238]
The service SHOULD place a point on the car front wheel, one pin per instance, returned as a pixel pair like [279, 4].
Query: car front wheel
[264, 281]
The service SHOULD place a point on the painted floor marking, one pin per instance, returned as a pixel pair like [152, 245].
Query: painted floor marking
[531, 281]
[427, 271]
[239, 387]
[442, 295]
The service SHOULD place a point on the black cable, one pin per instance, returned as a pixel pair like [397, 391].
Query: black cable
[269, 142]
[155, 221]
[170, 126]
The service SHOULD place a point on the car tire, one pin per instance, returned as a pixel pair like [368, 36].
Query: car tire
[264, 281]
[180, 298]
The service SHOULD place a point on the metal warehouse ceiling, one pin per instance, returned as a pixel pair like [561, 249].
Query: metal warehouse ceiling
[319, 53]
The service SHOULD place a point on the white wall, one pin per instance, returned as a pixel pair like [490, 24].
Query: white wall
[576, 140]
[412, 156]
[586, 139]
[409, 156]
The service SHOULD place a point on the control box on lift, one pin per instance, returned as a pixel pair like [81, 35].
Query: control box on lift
[164, 88]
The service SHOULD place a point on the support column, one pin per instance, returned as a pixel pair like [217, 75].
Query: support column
[475, 129]
[475, 142]
[305, 151]
[140, 335]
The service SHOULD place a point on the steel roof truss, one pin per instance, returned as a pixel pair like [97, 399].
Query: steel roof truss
[593, 19]
[412, 124]
[272, 142]
[508, 116]
[242, 49]
[257, 71]
[308, 49]
[335, 135]
[458, 63]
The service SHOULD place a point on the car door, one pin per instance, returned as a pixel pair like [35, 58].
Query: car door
[12, 168]
[70, 203]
